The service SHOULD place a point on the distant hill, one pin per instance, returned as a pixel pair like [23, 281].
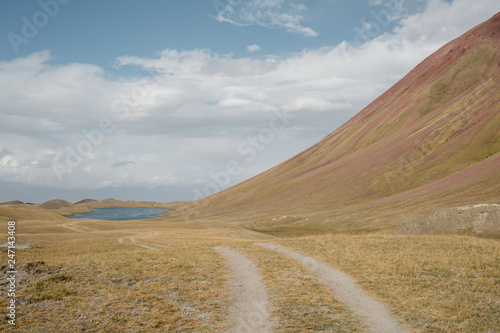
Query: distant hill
[56, 204]
[64, 207]
[430, 142]
[57, 208]
[84, 201]
[12, 203]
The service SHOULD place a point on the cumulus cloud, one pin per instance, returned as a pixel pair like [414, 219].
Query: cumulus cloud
[173, 62]
[272, 14]
[440, 19]
[72, 126]
[253, 48]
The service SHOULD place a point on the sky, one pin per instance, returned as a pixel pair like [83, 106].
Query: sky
[175, 100]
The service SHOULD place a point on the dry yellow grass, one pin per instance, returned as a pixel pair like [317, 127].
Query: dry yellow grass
[101, 285]
[434, 283]
[90, 281]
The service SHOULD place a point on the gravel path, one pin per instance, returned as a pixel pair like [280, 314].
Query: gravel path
[375, 314]
[250, 301]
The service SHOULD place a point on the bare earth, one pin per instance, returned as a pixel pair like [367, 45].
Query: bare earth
[249, 312]
[375, 314]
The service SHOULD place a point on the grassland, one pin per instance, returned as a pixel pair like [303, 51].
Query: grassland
[90, 281]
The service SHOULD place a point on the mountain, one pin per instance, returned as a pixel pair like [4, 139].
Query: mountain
[430, 142]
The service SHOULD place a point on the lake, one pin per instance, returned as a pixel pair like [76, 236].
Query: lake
[116, 214]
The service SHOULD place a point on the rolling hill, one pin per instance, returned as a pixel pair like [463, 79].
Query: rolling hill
[430, 142]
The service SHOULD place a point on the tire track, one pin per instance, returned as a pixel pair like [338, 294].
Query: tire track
[249, 312]
[133, 241]
[149, 246]
[70, 226]
[375, 315]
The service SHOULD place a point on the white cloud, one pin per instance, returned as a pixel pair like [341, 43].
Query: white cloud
[442, 20]
[199, 110]
[171, 62]
[272, 14]
[253, 48]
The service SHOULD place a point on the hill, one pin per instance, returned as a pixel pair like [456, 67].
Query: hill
[12, 203]
[430, 142]
[57, 208]
[56, 204]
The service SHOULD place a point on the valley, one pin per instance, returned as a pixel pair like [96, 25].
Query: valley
[391, 223]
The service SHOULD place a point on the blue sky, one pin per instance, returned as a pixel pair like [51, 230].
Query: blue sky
[98, 32]
[190, 97]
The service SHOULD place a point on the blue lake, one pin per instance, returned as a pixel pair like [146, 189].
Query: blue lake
[121, 214]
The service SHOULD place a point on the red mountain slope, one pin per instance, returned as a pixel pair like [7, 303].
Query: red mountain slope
[429, 142]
